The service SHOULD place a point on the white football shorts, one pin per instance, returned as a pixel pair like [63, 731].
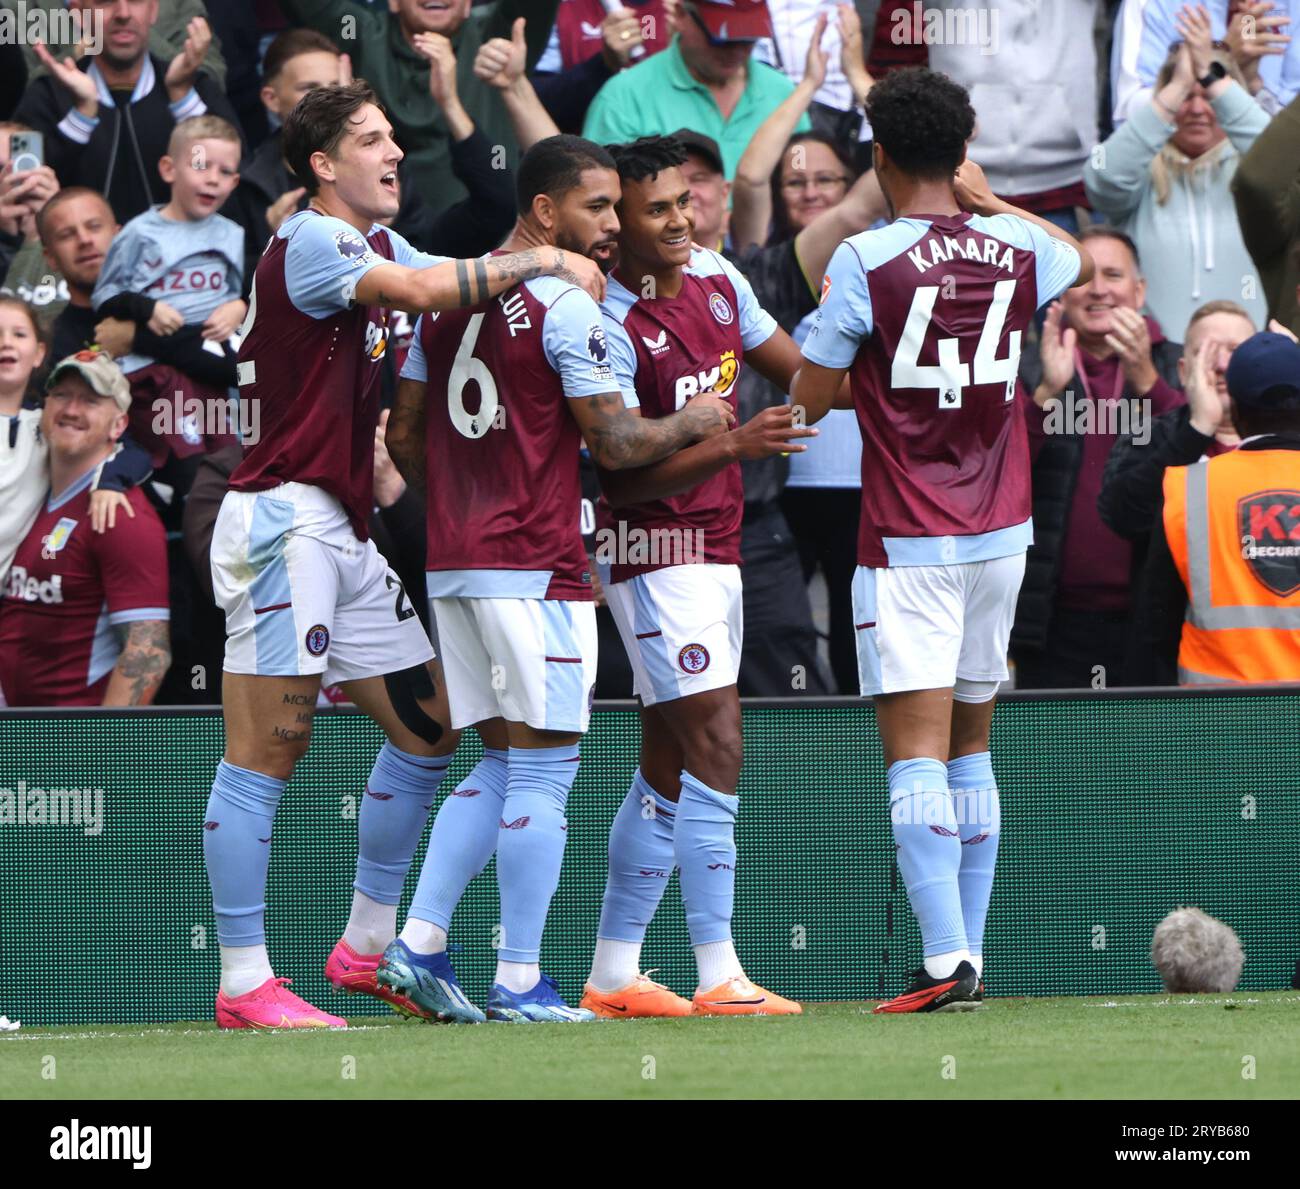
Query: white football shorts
[524, 660]
[922, 627]
[303, 596]
[682, 627]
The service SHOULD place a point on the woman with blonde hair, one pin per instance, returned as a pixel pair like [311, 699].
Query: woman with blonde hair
[1164, 177]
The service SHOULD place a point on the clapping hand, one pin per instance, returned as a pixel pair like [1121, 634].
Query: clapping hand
[1201, 388]
[438, 51]
[185, 66]
[1056, 347]
[1130, 339]
[76, 82]
[1255, 32]
[814, 70]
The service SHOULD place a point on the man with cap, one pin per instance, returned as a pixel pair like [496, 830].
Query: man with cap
[705, 80]
[706, 175]
[1222, 584]
[83, 615]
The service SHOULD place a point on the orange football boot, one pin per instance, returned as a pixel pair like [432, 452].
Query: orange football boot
[642, 998]
[739, 997]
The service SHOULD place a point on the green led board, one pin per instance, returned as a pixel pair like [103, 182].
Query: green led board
[1115, 811]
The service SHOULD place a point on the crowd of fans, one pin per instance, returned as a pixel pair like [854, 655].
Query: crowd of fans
[1166, 135]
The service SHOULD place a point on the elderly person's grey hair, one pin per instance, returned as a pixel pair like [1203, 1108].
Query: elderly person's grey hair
[1194, 952]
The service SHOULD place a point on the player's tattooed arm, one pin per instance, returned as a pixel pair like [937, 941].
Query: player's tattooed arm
[619, 437]
[406, 432]
[769, 432]
[457, 284]
[523, 265]
[146, 657]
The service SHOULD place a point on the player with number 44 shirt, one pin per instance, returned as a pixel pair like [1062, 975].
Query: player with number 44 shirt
[927, 317]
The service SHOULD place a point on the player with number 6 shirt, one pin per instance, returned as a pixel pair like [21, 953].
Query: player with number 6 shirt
[926, 316]
[306, 594]
[493, 408]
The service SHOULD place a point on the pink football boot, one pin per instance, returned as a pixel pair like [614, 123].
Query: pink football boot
[355, 973]
[271, 1006]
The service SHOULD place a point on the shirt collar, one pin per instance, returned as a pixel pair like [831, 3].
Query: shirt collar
[144, 84]
[681, 78]
[74, 489]
[1286, 440]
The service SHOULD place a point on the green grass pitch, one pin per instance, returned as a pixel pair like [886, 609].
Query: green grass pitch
[1238, 1046]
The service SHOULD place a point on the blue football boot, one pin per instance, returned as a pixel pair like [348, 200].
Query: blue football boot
[541, 1005]
[429, 981]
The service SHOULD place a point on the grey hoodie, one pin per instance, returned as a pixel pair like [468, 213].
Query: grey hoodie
[1033, 87]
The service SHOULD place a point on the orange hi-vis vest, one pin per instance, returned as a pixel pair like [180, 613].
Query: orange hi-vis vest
[1233, 526]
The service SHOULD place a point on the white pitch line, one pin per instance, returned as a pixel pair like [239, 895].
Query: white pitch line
[48, 1036]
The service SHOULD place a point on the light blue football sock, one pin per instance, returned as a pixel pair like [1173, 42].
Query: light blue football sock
[704, 843]
[929, 850]
[979, 825]
[530, 845]
[399, 795]
[237, 850]
[462, 840]
[640, 862]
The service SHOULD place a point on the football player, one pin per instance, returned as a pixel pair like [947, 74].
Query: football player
[926, 317]
[493, 408]
[683, 320]
[306, 593]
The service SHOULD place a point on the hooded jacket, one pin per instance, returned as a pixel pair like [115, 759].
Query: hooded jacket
[1190, 244]
[1036, 96]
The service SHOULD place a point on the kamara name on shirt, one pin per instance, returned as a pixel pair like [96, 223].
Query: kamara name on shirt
[943, 250]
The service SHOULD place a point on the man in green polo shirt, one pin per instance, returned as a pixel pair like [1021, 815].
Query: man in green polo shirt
[705, 80]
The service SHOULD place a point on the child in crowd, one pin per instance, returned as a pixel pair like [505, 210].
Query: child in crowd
[181, 264]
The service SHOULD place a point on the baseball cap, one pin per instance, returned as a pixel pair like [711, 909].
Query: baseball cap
[1264, 372]
[733, 20]
[97, 368]
[705, 146]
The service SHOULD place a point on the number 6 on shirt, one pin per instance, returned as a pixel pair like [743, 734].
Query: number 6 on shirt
[465, 368]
